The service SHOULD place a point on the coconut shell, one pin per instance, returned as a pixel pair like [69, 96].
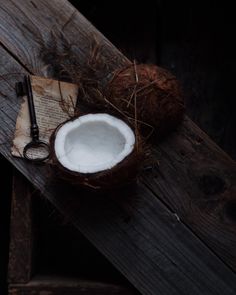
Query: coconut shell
[159, 99]
[121, 175]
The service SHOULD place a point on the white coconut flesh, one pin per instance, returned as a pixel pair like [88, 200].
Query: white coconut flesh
[93, 143]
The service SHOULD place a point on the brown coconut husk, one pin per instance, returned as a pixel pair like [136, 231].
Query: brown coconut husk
[119, 176]
[148, 96]
[150, 91]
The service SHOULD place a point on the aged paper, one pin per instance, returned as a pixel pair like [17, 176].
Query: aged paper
[54, 103]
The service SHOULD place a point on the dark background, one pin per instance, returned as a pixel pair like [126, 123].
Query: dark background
[193, 40]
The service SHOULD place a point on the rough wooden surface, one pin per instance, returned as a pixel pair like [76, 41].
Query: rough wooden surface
[203, 151]
[5, 209]
[26, 27]
[69, 286]
[21, 233]
[197, 181]
[26, 265]
[142, 238]
[149, 244]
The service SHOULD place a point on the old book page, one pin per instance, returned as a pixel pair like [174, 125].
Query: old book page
[54, 103]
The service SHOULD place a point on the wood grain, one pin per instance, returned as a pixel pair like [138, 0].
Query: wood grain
[26, 27]
[145, 241]
[206, 70]
[154, 253]
[197, 180]
[20, 266]
[190, 147]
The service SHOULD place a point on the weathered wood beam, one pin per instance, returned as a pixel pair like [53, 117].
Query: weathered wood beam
[20, 267]
[155, 250]
[199, 163]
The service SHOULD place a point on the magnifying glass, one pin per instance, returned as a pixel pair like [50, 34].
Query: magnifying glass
[36, 150]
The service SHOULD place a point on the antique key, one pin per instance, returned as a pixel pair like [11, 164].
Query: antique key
[36, 150]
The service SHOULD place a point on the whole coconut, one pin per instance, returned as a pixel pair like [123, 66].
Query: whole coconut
[159, 100]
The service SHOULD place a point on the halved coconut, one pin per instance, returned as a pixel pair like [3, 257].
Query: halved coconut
[94, 149]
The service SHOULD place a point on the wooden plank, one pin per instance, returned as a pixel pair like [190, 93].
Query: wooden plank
[5, 208]
[120, 256]
[218, 230]
[141, 237]
[20, 266]
[27, 27]
[26, 240]
[70, 286]
[197, 180]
